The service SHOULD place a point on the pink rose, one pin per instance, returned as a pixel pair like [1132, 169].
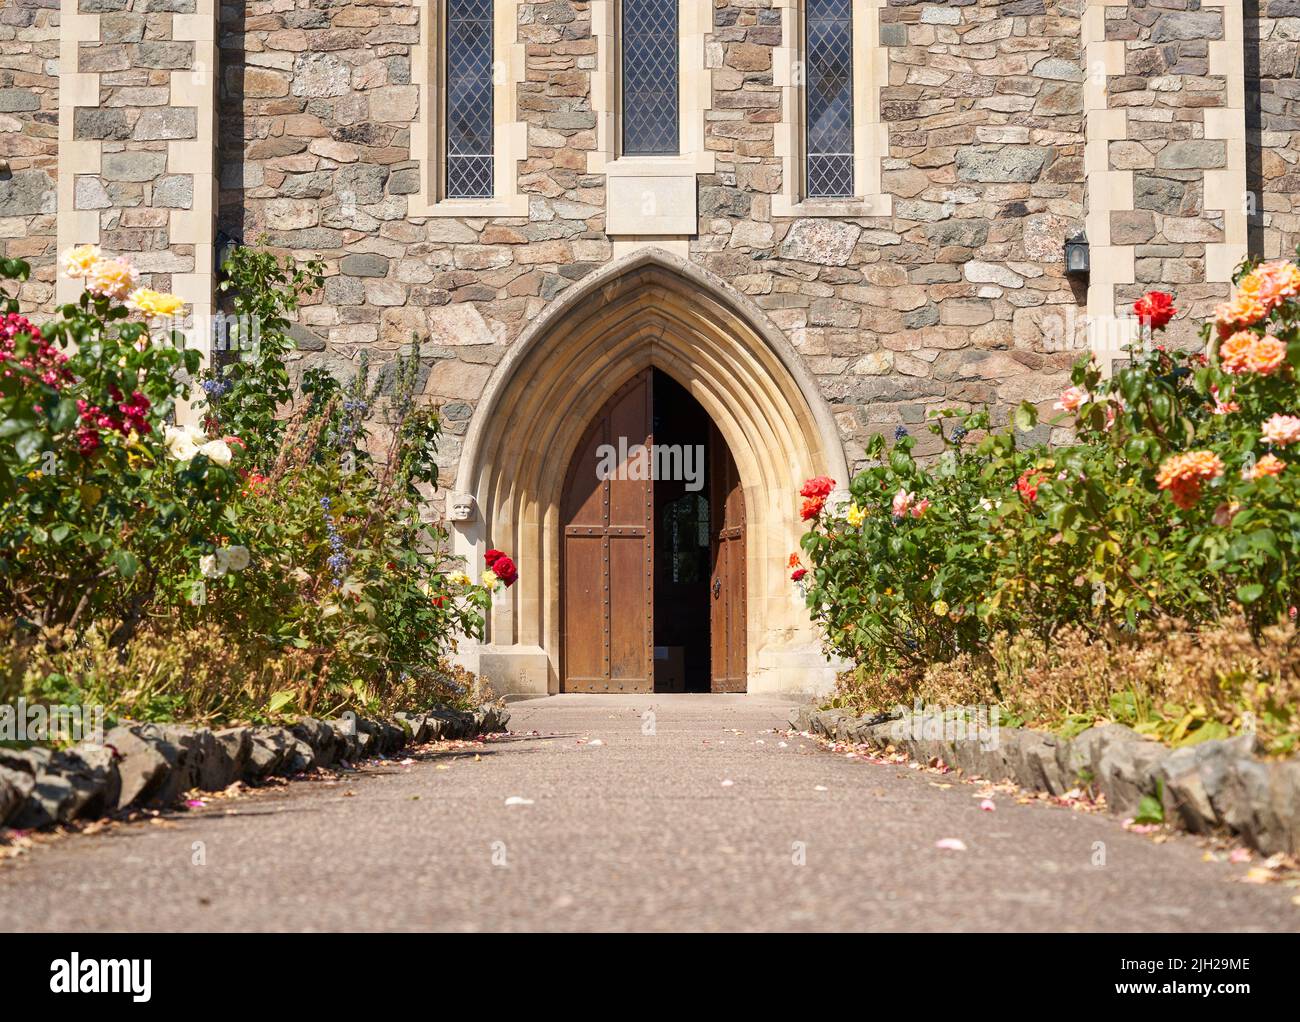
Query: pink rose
[1071, 399]
[1282, 430]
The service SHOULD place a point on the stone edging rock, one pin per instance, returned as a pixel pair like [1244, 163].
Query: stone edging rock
[1210, 786]
[154, 764]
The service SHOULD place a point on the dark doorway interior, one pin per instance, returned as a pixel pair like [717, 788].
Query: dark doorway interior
[682, 552]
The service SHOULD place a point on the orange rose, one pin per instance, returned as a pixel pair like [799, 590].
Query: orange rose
[1269, 465]
[1244, 310]
[1183, 474]
[1267, 354]
[1247, 352]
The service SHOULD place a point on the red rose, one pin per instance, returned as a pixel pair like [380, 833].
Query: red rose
[492, 556]
[812, 507]
[1027, 484]
[87, 440]
[820, 486]
[1154, 309]
[504, 569]
[797, 574]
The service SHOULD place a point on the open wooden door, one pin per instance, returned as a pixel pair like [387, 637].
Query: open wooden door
[607, 572]
[727, 585]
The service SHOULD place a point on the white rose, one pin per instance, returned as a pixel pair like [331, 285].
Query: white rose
[211, 566]
[238, 558]
[217, 451]
[181, 444]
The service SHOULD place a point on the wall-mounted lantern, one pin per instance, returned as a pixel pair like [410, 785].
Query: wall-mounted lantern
[1077, 260]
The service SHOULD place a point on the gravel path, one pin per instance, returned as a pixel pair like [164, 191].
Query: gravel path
[643, 813]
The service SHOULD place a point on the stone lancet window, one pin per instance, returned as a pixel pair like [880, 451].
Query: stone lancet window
[469, 99]
[650, 77]
[828, 114]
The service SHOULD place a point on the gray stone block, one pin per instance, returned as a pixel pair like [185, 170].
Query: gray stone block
[237, 742]
[1034, 755]
[1080, 759]
[143, 765]
[174, 56]
[364, 264]
[174, 192]
[1003, 164]
[26, 193]
[360, 183]
[15, 787]
[270, 752]
[1185, 773]
[14, 101]
[132, 166]
[319, 736]
[166, 122]
[1126, 773]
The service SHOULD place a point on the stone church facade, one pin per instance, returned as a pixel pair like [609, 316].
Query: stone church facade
[822, 218]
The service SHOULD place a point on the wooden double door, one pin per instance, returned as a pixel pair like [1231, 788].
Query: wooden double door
[608, 569]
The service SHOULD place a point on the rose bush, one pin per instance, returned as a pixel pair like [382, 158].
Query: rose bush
[284, 524]
[1176, 499]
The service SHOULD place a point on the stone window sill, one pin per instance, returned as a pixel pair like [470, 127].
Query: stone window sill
[659, 166]
[516, 206]
[861, 206]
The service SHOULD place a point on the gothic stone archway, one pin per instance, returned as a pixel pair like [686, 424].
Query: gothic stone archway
[651, 310]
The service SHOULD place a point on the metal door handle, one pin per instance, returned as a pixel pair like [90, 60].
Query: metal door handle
[717, 588]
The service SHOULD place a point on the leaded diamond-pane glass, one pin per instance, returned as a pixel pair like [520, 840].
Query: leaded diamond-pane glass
[650, 77]
[829, 89]
[469, 99]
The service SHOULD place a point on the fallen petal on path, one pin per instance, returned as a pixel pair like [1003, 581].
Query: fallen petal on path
[952, 844]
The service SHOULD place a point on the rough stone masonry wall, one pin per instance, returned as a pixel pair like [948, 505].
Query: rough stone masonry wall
[940, 303]
[1177, 182]
[957, 298]
[29, 110]
[985, 162]
[130, 195]
[1275, 35]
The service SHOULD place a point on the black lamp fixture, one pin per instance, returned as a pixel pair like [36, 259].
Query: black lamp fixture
[1077, 261]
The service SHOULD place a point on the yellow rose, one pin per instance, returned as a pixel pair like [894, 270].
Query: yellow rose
[79, 261]
[490, 579]
[112, 278]
[154, 304]
[855, 515]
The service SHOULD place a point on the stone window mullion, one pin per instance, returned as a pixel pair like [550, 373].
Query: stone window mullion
[848, 164]
[484, 178]
[652, 194]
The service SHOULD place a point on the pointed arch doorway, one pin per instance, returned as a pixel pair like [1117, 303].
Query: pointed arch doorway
[652, 575]
[650, 311]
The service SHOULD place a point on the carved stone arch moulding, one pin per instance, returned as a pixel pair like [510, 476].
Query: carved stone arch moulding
[648, 310]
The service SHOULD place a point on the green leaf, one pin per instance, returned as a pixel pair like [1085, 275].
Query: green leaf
[126, 563]
[29, 445]
[1250, 593]
[1150, 810]
[278, 701]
